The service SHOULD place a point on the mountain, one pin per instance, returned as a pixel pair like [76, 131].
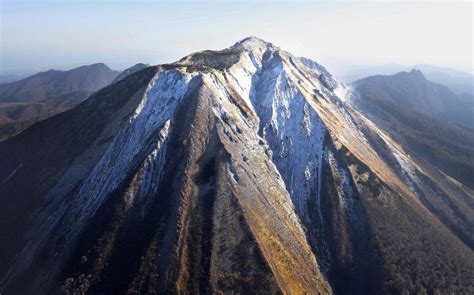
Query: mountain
[12, 77]
[350, 73]
[131, 70]
[8, 75]
[244, 170]
[413, 91]
[459, 82]
[446, 145]
[54, 83]
[40, 96]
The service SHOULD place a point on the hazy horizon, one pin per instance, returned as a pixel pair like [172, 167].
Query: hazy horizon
[60, 33]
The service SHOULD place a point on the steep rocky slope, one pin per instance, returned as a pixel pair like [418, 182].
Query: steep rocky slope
[245, 170]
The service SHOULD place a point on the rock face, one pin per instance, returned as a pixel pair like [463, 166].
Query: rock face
[245, 170]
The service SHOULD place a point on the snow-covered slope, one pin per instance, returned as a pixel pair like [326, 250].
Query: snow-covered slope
[247, 169]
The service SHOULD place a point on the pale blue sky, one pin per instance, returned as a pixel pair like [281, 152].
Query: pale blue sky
[48, 33]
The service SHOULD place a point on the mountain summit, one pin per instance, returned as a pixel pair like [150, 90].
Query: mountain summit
[244, 170]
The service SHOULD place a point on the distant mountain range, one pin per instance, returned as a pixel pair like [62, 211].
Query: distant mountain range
[246, 170]
[413, 91]
[457, 81]
[13, 77]
[42, 86]
[44, 94]
[435, 123]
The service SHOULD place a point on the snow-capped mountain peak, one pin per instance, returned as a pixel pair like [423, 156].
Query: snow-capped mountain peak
[253, 43]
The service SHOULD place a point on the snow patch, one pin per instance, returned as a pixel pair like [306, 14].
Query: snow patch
[342, 91]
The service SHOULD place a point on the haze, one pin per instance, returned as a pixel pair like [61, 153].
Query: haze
[48, 33]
